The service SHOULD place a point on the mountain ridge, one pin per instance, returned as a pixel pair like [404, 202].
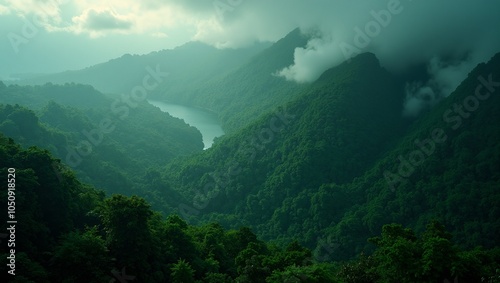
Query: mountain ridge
[286, 188]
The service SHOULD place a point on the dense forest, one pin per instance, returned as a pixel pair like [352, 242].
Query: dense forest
[333, 170]
[200, 75]
[314, 182]
[117, 151]
[67, 231]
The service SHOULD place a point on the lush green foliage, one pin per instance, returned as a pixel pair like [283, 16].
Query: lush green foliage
[116, 152]
[71, 233]
[237, 84]
[269, 173]
[249, 91]
[315, 170]
[333, 171]
[68, 232]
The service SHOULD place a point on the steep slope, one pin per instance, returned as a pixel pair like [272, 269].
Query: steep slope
[445, 168]
[239, 85]
[112, 151]
[67, 231]
[47, 201]
[332, 132]
[249, 91]
[334, 165]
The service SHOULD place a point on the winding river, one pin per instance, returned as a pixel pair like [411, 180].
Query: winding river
[206, 122]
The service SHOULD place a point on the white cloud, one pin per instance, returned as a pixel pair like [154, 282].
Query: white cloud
[313, 60]
[4, 10]
[422, 30]
[97, 22]
[403, 39]
[47, 11]
[101, 18]
[34, 7]
[444, 78]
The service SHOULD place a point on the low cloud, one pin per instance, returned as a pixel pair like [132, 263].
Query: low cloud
[401, 33]
[445, 75]
[97, 23]
[4, 10]
[311, 61]
[103, 20]
[418, 99]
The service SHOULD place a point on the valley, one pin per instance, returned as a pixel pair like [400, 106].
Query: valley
[260, 159]
[206, 122]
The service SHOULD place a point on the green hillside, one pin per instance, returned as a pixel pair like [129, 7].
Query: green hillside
[186, 65]
[251, 90]
[323, 171]
[237, 84]
[455, 182]
[113, 151]
[325, 181]
[66, 231]
[333, 132]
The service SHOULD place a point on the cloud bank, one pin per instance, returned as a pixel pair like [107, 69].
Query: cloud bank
[450, 36]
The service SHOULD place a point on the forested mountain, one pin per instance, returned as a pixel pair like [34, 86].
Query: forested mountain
[333, 162]
[446, 167]
[117, 151]
[186, 65]
[332, 133]
[307, 185]
[239, 85]
[67, 231]
[248, 92]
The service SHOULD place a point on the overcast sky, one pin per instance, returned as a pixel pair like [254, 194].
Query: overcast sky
[56, 35]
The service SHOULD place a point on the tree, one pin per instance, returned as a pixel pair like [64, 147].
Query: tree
[397, 255]
[128, 235]
[82, 257]
[26, 120]
[250, 263]
[182, 272]
[217, 278]
[360, 270]
[318, 273]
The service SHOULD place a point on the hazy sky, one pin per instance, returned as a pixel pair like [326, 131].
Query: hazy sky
[55, 35]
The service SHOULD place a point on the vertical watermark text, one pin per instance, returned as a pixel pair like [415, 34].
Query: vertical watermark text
[11, 222]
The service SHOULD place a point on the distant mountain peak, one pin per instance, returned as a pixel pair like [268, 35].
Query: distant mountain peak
[364, 62]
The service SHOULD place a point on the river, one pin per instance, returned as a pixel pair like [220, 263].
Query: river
[206, 122]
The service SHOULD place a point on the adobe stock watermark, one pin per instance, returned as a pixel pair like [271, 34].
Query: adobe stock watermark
[491, 279]
[122, 276]
[248, 151]
[454, 117]
[363, 36]
[59, 169]
[121, 109]
[30, 27]
[327, 246]
[223, 6]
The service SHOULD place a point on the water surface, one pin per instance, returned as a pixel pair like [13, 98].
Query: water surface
[206, 122]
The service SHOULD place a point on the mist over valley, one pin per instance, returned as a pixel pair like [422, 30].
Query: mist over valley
[250, 141]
